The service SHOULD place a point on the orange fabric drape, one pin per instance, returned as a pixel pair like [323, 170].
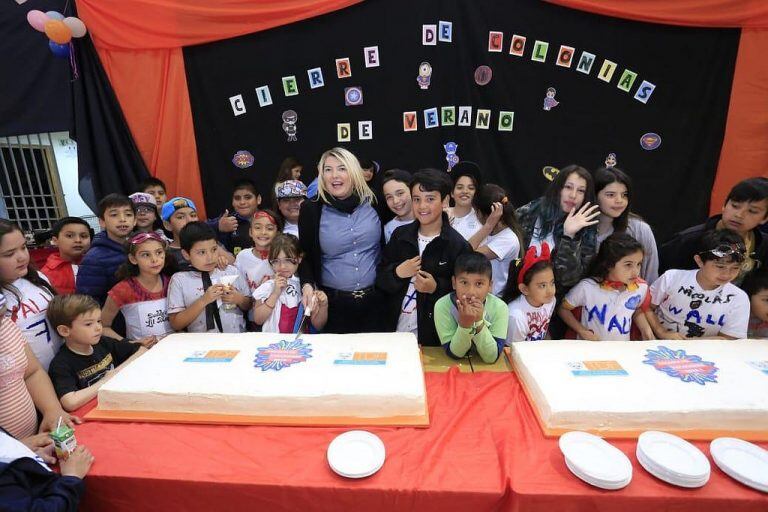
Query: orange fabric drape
[744, 152]
[139, 43]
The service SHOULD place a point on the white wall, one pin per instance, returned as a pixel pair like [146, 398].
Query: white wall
[65, 151]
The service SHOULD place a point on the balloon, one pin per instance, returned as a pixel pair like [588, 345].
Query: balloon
[75, 25]
[59, 50]
[57, 31]
[37, 19]
[55, 15]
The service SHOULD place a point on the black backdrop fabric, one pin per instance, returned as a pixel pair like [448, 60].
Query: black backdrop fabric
[691, 68]
[34, 91]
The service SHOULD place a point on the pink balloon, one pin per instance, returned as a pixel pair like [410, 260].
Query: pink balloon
[37, 19]
[76, 26]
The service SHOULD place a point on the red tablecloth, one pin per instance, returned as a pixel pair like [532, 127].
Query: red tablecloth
[483, 451]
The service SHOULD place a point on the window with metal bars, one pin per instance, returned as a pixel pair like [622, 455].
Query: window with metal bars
[29, 182]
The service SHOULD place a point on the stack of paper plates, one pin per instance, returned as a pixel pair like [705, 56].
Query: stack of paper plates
[595, 461]
[672, 459]
[356, 454]
[742, 461]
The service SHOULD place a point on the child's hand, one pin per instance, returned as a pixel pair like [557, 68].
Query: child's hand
[466, 312]
[227, 222]
[576, 221]
[478, 307]
[448, 210]
[147, 341]
[42, 445]
[51, 420]
[408, 268]
[672, 335]
[424, 282]
[213, 293]
[230, 295]
[280, 284]
[222, 262]
[307, 294]
[588, 334]
[319, 300]
[497, 210]
[78, 463]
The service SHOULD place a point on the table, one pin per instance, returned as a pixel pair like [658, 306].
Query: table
[483, 451]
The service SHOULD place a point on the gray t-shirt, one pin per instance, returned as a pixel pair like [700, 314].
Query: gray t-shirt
[186, 287]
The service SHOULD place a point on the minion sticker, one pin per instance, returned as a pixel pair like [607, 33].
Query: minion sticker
[425, 75]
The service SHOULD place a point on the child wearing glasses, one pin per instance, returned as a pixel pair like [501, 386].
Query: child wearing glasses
[278, 306]
[703, 303]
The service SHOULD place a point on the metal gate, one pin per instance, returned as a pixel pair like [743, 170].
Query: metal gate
[29, 182]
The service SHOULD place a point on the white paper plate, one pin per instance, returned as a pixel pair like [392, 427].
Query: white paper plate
[595, 461]
[742, 461]
[356, 454]
[672, 459]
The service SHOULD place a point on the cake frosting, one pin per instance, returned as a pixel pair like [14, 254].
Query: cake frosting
[262, 374]
[729, 393]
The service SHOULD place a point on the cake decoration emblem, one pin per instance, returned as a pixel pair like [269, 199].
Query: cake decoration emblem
[282, 354]
[678, 364]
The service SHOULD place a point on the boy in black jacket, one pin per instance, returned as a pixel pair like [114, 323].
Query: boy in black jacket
[745, 211]
[417, 265]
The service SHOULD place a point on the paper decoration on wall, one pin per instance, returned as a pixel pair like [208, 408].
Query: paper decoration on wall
[343, 132]
[410, 122]
[315, 76]
[650, 141]
[495, 41]
[550, 172]
[429, 35]
[289, 124]
[353, 96]
[517, 46]
[262, 93]
[483, 119]
[343, 68]
[610, 160]
[430, 118]
[465, 116]
[425, 75]
[565, 56]
[290, 86]
[626, 80]
[238, 107]
[644, 92]
[483, 75]
[540, 51]
[243, 159]
[607, 70]
[450, 154]
[445, 31]
[448, 116]
[371, 56]
[365, 130]
[506, 121]
[549, 99]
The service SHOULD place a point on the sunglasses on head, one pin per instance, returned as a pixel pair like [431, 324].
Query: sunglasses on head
[140, 238]
[737, 251]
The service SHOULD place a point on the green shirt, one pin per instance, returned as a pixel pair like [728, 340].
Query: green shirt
[487, 335]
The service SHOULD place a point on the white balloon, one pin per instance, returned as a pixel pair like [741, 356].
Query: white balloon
[76, 26]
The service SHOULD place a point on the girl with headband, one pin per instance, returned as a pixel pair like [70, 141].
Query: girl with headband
[530, 296]
[141, 295]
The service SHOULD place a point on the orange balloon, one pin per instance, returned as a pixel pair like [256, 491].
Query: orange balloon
[58, 32]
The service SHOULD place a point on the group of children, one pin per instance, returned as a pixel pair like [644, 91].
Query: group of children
[476, 273]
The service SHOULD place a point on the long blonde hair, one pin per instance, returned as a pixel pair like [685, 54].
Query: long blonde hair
[351, 163]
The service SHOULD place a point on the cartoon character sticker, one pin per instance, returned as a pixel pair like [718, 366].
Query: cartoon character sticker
[243, 159]
[450, 154]
[550, 172]
[425, 75]
[610, 160]
[289, 124]
[549, 100]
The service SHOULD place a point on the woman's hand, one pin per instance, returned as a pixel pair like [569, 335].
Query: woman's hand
[51, 420]
[307, 293]
[578, 220]
[408, 268]
[497, 210]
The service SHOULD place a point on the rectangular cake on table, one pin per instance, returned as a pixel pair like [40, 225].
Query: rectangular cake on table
[698, 389]
[261, 378]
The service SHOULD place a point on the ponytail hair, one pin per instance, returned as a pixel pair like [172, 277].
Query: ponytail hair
[33, 275]
[483, 202]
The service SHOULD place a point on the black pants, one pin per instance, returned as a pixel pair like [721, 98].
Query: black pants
[348, 314]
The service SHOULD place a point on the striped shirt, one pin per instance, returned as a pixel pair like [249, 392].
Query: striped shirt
[17, 411]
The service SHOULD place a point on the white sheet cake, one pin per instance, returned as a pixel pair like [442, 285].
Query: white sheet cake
[356, 375]
[576, 385]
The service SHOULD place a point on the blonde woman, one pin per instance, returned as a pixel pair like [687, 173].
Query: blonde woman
[340, 234]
